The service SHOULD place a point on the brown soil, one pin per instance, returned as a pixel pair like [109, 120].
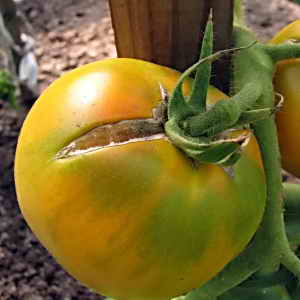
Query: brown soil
[69, 33]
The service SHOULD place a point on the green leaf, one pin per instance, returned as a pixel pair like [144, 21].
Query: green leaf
[7, 88]
[203, 75]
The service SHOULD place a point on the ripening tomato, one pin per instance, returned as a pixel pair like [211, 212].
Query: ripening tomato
[134, 219]
[286, 82]
[290, 32]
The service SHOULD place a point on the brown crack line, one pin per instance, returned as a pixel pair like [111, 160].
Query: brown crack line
[110, 135]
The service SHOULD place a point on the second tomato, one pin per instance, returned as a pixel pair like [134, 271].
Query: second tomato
[287, 83]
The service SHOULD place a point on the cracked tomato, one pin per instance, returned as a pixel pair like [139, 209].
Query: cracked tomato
[120, 207]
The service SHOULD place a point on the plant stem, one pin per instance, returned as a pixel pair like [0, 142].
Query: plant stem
[239, 15]
[292, 213]
[270, 246]
[282, 51]
[224, 114]
[291, 262]
[256, 66]
[273, 225]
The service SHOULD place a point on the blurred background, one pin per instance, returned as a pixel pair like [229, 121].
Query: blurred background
[39, 41]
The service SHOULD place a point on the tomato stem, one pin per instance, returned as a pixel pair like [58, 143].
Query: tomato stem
[178, 107]
[225, 114]
[254, 69]
[292, 213]
[204, 148]
[291, 262]
[238, 14]
[282, 51]
[258, 67]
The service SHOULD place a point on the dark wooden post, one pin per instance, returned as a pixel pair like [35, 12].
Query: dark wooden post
[169, 32]
[166, 32]
[223, 23]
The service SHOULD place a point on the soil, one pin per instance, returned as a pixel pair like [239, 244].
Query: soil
[70, 33]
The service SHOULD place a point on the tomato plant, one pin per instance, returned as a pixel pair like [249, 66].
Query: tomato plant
[286, 82]
[7, 88]
[276, 292]
[130, 216]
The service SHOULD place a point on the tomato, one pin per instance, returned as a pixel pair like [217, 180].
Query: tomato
[136, 220]
[286, 82]
[290, 32]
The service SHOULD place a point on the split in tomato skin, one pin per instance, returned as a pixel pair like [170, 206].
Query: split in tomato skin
[138, 220]
[286, 83]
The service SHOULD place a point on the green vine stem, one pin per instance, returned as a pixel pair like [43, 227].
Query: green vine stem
[238, 14]
[253, 69]
[231, 112]
[282, 51]
[205, 149]
[292, 213]
[276, 292]
[258, 67]
[273, 228]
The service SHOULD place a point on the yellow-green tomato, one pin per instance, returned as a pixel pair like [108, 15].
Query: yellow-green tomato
[138, 219]
[287, 83]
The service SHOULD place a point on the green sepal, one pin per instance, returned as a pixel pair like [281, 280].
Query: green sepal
[178, 106]
[218, 153]
[220, 117]
[200, 86]
[225, 114]
[202, 148]
[224, 151]
[282, 51]
[179, 109]
[251, 116]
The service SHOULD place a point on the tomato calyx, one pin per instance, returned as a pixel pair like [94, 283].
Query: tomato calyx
[191, 122]
[207, 139]
[223, 149]
[256, 66]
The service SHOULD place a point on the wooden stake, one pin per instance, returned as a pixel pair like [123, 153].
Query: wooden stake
[223, 19]
[166, 32]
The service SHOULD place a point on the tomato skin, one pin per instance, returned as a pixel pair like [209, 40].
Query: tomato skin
[286, 83]
[136, 221]
[289, 32]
